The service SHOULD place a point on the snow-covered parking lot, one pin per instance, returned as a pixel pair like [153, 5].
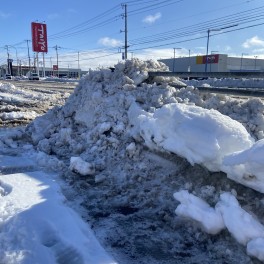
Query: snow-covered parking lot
[157, 174]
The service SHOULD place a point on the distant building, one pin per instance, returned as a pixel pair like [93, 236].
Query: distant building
[215, 63]
[23, 70]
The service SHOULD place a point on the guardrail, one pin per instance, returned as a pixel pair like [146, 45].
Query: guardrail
[255, 92]
[204, 75]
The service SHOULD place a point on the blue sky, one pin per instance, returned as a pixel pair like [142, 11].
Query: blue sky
[155, 28]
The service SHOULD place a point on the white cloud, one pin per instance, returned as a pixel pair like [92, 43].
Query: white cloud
[108, 42]
[53, 16]
[4, 15]
[227, 48]
[253, 42]
[72, 11]
[152, 18]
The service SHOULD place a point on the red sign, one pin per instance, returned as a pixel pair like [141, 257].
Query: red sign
[211, 58]
[214, 58]
[55, 67]
[39, 37]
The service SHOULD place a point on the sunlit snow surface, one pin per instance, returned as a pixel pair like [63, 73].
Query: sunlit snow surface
[37, 227]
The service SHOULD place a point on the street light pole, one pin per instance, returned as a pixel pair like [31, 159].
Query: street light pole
[241, 62]
[189, 67]
[173, 67]
[79, 75]
[212, 52]
[207, 46]
[208, 36]
[255, 62]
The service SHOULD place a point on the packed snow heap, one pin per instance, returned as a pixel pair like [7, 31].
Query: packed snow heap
[112, 108]
[114, 115]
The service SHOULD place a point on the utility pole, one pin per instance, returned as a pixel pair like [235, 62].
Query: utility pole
[125, 17]
[208, 36]
[27, 40]
[57, 55]
[78, 65]
[8, 64]
[173, 67]
[189, 67]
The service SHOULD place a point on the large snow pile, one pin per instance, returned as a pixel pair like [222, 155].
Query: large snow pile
[117, 133]
[109, 110]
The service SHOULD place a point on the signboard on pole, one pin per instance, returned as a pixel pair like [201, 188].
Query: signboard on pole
[55, 68]
[39, 37]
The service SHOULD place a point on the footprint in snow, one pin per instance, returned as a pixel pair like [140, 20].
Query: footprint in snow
[64, 253]
[5, 189]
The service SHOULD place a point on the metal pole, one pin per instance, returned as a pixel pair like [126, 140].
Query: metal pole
[28, 55]
[16, 58]
[78, 65]
[17, 63]
[8, 65]
[255, 62]
[37, 59]
[241, 61]
[189, 68]
[173, 68]
[51, 67]
[43, 69]
[57, 55]
[206, 58]
[126, 32]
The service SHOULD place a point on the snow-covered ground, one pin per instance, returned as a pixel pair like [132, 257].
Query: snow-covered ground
[37, 226]
[161, 175]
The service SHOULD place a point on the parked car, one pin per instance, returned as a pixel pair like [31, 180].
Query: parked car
[33, 76]
[8, 76]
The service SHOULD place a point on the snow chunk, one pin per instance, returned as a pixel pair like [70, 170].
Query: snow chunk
[239, 223]
[247, 166]
[200, 135]
[80, 166]
[255, 248]
[197, 209]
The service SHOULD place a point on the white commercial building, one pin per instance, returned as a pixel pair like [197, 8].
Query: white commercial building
[215, 63]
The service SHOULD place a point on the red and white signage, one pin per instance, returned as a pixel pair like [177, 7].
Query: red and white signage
[39, 37]
[55, 68]
[213, 58]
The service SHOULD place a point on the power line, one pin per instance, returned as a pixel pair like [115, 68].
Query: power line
[88, 25]
[101, 24]
[143, 9]
[249, 16]
[196, 38]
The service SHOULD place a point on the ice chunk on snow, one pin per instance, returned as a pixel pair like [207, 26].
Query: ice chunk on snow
[247, 166]
[255, 248]
[80, 166]
[239, 223]
[197, 209]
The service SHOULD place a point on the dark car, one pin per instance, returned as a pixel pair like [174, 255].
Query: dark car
[8, 76]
